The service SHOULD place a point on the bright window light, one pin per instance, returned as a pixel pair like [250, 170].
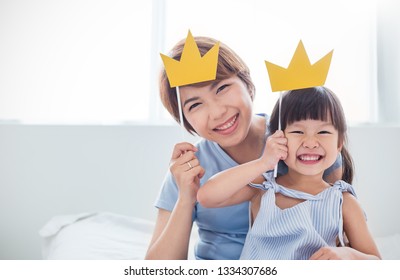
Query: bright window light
[97, 62]
[75, 61]
[270, 30]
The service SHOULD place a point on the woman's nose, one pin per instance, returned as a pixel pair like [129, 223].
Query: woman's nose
[217, 110]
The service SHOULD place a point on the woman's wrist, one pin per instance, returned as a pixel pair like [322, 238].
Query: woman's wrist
[186, 203]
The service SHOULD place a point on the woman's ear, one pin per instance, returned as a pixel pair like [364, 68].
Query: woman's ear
[252, 94]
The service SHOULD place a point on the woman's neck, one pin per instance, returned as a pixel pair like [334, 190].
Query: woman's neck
[251, 147]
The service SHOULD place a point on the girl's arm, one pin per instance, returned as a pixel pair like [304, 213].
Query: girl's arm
[362, 245]
[356, 228]
[230, 186]
[172, 230]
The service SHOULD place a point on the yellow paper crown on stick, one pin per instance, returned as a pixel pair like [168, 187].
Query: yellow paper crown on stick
[300, 73]
[192, 67]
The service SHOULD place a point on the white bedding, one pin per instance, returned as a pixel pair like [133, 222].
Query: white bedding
[97, 236]
[109, 236]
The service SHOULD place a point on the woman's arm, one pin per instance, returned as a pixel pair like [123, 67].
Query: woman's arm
[171, 234]
[362, 245]
[230, 186]
[172, 230]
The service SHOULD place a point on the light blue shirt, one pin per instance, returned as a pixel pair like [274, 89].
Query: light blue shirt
[222, 231]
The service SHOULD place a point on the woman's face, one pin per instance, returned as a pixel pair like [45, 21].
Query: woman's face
[220, 112]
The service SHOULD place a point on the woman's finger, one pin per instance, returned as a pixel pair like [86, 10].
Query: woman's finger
[182, 148]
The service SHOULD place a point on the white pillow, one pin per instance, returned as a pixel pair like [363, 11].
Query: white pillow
[99, 236]
[95, 236]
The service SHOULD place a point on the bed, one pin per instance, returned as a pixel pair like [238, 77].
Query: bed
[98, 236]
[110, 236]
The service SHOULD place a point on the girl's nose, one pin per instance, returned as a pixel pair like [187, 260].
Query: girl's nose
[310, 142]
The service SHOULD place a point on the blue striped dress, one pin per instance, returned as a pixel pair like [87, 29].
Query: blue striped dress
[295, 233]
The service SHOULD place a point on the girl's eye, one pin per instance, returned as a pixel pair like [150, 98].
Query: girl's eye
[221, 88]
[296, 132]
[324, 132]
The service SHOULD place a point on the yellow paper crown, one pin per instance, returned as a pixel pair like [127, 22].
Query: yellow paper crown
[300, 73]
[192, 68]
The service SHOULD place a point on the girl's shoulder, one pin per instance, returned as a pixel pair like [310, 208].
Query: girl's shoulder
[344, 187]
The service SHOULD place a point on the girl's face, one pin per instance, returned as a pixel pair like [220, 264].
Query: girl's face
[220, 112]
[313, 146]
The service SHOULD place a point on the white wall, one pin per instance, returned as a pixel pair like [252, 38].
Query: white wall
[55, 170]
[388, 60]
[376, 151]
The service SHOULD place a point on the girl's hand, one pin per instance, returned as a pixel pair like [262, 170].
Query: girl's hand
[275, 149]
[186, 169]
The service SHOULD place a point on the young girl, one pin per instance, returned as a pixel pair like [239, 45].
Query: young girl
[299, 215]
[221, 112]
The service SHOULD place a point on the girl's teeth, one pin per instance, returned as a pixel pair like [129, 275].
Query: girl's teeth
[305, 158]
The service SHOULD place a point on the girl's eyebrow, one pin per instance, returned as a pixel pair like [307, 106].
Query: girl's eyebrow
[300, 125]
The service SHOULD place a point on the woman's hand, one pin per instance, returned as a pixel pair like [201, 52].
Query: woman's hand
[187, 171]
[171, 235]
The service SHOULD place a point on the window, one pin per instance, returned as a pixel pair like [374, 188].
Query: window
[75, 61]
[270, 30]
[97, 62]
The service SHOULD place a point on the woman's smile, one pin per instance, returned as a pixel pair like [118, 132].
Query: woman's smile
[227, 127]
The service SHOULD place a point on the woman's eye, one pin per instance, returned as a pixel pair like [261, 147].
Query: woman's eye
[194, 105]
[221, 88]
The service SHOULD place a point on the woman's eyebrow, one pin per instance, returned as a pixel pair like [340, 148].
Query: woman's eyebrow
[213, 85]
[190, 100]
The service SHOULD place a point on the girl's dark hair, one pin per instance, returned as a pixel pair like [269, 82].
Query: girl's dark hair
[316, 103]
[229, 65]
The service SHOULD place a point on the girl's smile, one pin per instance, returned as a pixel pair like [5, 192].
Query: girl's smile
[309, 158]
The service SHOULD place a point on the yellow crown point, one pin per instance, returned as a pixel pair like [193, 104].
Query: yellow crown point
[192, 68]
[300, 73]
